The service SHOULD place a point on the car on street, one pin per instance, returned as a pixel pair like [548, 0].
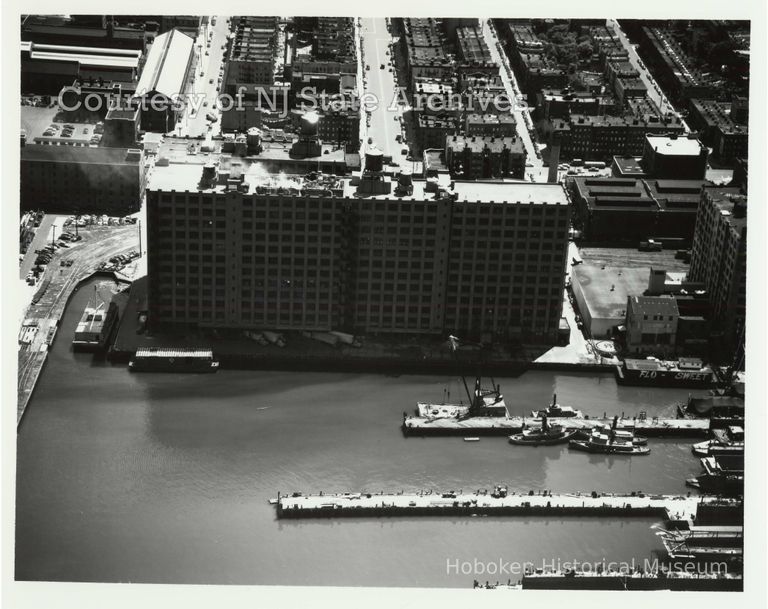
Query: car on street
[381, 67]
[211, 117]
[370, 140]
[404, 151]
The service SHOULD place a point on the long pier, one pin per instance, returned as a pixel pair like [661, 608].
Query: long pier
[503, 426]
[483, 503]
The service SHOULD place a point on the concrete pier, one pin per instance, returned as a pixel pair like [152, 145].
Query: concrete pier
[483, 503]
[502, 426]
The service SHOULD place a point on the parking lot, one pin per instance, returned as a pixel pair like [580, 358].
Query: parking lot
[43, 125]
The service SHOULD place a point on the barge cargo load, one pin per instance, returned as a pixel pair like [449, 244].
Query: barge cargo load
[686, 372]
[95, 327]
[153, 359]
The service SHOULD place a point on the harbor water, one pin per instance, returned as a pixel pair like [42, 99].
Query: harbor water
[165, 478]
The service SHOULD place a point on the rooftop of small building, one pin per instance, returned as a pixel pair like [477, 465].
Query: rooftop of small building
[674, 146]
[606, 289]
[629, 166]
[478, 143]
[653, 305]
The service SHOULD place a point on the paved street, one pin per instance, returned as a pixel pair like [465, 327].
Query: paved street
[654, 91]
[194, 123]
[384, 127]
[536, 171]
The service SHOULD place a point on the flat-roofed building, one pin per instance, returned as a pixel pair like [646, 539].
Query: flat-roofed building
[230, 246]
[719, 261]
[720, 129]
[629, 210]
[651, 327]
[167, 75]
[46, 68]
[601, 293]
[496, 125]
[675, 157]
[476, 157]
[76, 179]
[602, 137]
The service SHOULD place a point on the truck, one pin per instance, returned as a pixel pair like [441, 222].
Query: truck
[650, 246]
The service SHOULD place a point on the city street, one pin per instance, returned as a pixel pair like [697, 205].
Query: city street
[537, 169]
[385, 124]
[654, 91]
[206, 84]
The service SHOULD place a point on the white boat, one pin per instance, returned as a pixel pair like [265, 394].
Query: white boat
[603, 439]
[472, 439]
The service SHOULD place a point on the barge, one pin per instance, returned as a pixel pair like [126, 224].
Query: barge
[499, 502]
[685, 372]
[153, 359]
[646, 579]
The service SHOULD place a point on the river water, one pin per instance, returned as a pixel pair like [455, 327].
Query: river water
[164, 478]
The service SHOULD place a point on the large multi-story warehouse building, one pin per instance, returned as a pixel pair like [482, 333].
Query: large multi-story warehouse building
[78, 179]
[231, 247]
[719, 260]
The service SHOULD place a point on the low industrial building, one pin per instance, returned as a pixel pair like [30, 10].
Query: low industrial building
[651, 326]
[167, 74]
[629, 210]
[601, 295]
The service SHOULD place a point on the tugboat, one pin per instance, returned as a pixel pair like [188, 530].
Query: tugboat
[554, 410]
[546, 434]
[723, 442]
[611, 441]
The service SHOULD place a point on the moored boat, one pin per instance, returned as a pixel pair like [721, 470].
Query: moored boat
[153, 359]
[610, 441]
[729, 441]
[685, 372]
[95, 327]
[546, 434]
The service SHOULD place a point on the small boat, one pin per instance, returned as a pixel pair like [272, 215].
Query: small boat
[619, 434]
[554, 410]
[472, 439]
[273, 501]
[723, 442]
[610, 441]
[545, 435]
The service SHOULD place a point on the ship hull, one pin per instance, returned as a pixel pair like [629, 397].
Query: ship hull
[665, 378]
[608, 450]
[167, 366]
[520, 440]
